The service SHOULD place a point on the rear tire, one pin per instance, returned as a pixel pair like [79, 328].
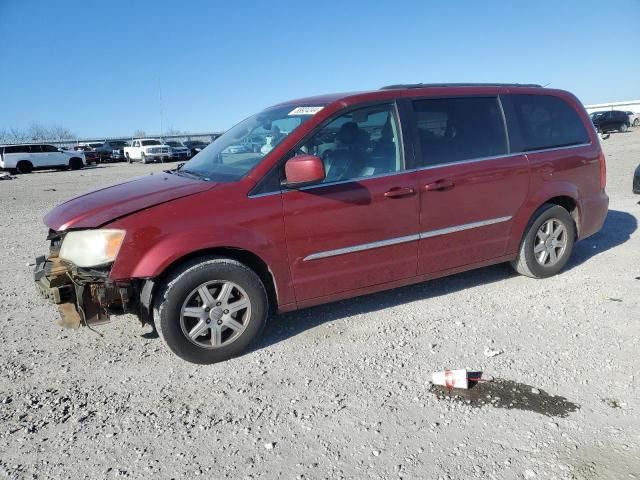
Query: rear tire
[24, 166]
[623, 128]
[76, 163]
[215, 332]
[547, 243]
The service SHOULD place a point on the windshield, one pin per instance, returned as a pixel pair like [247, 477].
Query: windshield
[144, 143]
[174, 144]
[232, 155]
[118, 144]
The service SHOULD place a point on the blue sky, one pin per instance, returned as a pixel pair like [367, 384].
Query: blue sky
[96, 67]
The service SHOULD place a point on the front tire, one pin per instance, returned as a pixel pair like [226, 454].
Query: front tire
[547, 243]
[211, 310]
[636, 122]
[143, 158]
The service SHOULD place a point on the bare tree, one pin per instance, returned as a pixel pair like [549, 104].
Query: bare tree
[58, 132]
[139, 133]
[173, 131]
[36, 133]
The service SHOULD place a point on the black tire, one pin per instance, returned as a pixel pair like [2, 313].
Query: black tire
[636, 122]
[623, 128]
[180, 287]
[76, 163]
[127, 158]
[526, 263]
[24, 166]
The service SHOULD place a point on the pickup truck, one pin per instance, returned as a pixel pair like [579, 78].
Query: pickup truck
[111, 150]
[147, 150]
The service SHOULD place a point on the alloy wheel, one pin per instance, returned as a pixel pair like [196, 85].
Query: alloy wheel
[215, 314]
[550, 242]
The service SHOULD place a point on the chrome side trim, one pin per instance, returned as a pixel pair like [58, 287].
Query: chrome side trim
[405, 239]
[460, 228]
[553, 149]
[359, 248]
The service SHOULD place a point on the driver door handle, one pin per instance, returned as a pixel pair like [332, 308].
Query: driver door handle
[398, 192]
[439, 186]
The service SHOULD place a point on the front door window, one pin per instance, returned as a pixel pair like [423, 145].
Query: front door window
[360, 144]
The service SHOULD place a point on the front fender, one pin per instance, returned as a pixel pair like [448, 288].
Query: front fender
[162, 235]
[155, 260]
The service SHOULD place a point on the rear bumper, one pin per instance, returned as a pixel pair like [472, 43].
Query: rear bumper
[84, 297]
[593, 212]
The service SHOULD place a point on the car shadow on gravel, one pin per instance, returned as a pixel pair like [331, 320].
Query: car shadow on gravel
[616, 230]
[283, 326]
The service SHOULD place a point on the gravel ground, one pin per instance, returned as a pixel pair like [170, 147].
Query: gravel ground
[341, 390]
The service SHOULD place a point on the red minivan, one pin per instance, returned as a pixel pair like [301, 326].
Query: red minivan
[330, 197]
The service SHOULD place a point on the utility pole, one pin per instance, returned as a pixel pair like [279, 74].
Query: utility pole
[160, 101]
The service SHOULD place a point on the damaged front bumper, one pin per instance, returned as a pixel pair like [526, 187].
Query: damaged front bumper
[84, 296]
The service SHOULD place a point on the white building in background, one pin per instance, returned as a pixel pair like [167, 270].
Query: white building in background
[632, 105]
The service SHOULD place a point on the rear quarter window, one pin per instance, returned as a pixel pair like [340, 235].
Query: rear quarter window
[14, 149]
[547, 122]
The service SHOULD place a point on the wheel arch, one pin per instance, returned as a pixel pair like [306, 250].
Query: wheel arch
[250, 259]
[565, 199]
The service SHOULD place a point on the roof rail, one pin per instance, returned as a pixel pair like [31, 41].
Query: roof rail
[429, 85]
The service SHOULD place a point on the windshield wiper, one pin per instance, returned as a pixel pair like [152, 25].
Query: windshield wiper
[188, 173]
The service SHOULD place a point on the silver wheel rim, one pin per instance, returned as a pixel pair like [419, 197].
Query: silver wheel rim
[550, 242]
[215, 314]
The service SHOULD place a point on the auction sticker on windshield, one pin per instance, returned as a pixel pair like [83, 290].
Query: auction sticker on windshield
[305, 110]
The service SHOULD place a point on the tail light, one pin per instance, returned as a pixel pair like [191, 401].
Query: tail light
[603, 170]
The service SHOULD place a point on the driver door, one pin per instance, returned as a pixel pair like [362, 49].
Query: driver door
[359, 227]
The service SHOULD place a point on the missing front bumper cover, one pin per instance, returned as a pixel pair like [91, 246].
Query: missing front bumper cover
[83, 296]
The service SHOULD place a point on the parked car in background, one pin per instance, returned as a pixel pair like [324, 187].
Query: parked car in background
[610, 120]
[634, 118]
[26, 158]
[196, 146]
[90, 154]
[424, 181]
[636, 180]
[178, 151]
[238, 148]
[147, 150]
[111, 151]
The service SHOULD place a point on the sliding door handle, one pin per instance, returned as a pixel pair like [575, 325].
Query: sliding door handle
[439, 186]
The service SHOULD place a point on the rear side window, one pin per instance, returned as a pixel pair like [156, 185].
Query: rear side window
[547, 122]
[16, 149]
[35, 148]
[457, 129]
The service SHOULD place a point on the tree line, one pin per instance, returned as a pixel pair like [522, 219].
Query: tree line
[36, 133]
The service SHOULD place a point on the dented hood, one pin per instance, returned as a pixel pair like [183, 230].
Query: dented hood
[102, 206]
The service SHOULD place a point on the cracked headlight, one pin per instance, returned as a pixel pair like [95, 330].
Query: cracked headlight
[91, 248]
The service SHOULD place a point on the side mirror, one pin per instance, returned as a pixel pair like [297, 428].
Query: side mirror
[303, 170]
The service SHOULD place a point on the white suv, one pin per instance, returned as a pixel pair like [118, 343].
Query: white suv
[25, 158]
